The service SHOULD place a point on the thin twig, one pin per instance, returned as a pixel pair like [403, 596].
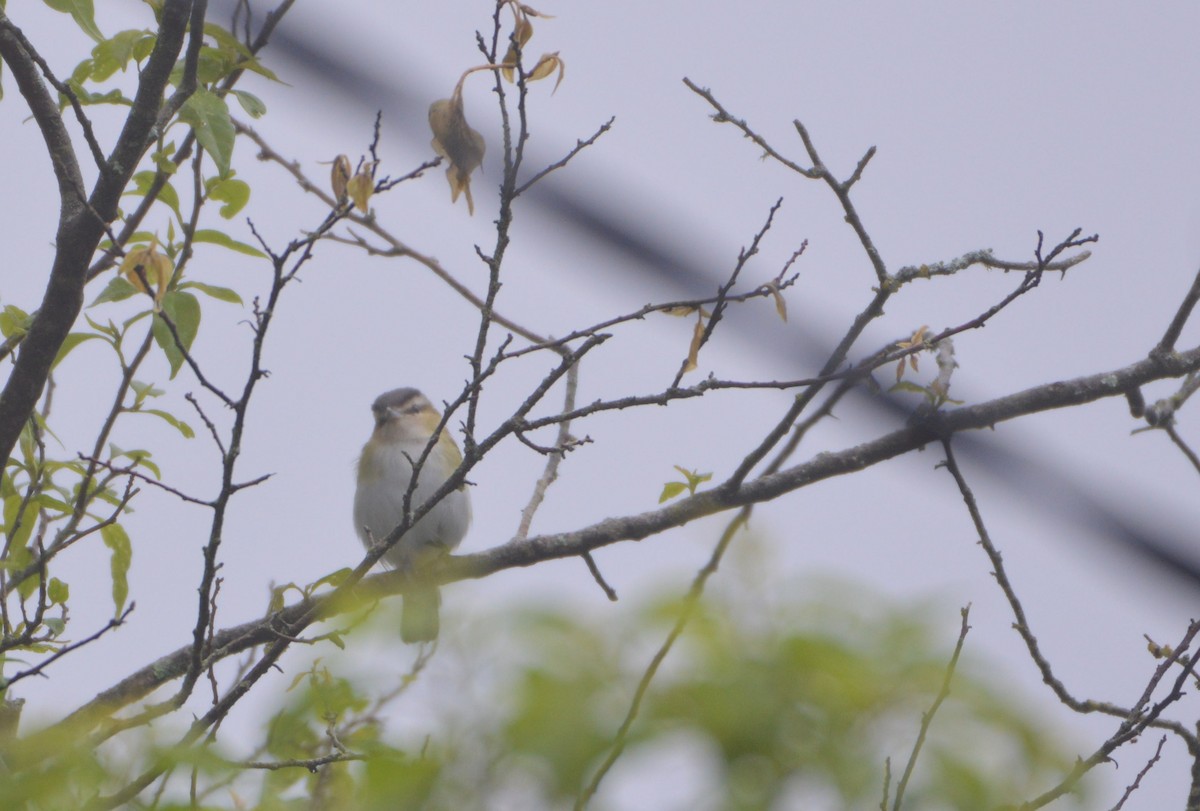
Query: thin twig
[1183, 446]
[562, 444]
[690, 601]
[608, 590]
[927, 716]
[132, 472]
[1137, 781]
[37, 669]
[575, 150]
[1184, 312]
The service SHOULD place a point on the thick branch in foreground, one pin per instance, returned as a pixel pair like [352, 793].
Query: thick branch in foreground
[82, 221]
[537, 549]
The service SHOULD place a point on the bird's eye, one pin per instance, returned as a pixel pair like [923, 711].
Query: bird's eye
[414, 409]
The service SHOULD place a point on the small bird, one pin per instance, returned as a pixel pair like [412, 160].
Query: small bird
[404, 422]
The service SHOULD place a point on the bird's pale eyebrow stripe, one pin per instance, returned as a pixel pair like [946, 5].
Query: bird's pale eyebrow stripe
[405, 402]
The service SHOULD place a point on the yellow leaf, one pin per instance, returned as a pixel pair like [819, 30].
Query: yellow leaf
[780, 304]
[146, 268]
[360, 188]
[455, 141]
[534, 13]
[546, 66]
[680, 311]
[694, 349]
[340, 176]
[521, 34]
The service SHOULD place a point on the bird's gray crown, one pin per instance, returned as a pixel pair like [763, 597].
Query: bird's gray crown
[396, 398]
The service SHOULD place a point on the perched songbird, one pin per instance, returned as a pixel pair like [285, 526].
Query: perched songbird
[404, 422]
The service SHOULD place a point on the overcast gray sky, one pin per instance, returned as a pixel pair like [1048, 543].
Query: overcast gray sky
[991, 121]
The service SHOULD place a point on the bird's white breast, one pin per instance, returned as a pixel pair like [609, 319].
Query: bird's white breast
[384, 476]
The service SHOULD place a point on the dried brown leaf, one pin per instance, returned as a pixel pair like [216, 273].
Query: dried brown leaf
[360, 188]
[694, 349]
[455, 141]
[522, 33]
[546, 66]
[780, 304]
[144, 265]
[339, 176]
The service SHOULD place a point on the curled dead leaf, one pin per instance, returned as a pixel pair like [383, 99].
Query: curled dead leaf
[339, 176]
[780, 304]
[360, 188]
[917, 339]
[694, 350]
[521, 34]
[146, 268]
[546, 66]
[455, 141]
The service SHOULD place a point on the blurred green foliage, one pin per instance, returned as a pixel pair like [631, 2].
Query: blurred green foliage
[796, 704]
[806, 702]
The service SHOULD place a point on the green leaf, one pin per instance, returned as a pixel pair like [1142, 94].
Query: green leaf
[42, 425]
[909, 386]
[14, 321]
[133, 319]
[55, 505]
[70, 342]
[142, 183]
[114, 53]
[254, 66]
[117, 289]
[219, 293]
[670, 490]
[233, 193]
[143, 47]
[83, 13]
[178, 424]
[162, 159]
[278, 593]
[57, 591]
[225, 241]
[226, 41]
[20, 557]
[238, 55]
[86, 96]
[208, 116]
[143, 391]
[212, 66]
[693, 479]
[333, 579]
[117, 540]
[252, 104]
[18, 533]
[82, 72]
[184, 311]
[108, 331]
[139, 458]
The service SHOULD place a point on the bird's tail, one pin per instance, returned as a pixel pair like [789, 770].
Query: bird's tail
[419, 616]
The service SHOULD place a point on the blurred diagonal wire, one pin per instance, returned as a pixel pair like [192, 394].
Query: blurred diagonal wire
[645, 252]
